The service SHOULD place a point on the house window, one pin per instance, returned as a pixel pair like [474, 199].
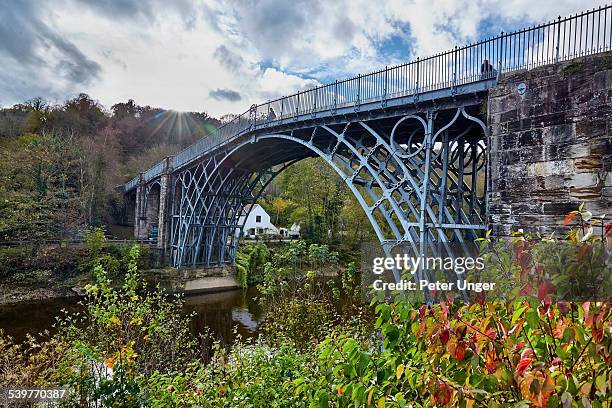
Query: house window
[258, 218]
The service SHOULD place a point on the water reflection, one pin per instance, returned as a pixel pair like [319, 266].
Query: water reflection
[224, 311]
[221, 312]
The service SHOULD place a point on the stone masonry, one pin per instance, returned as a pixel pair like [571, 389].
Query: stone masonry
[152, 208]
[550, 144]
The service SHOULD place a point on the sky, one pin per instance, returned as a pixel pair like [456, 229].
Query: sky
[221, 56]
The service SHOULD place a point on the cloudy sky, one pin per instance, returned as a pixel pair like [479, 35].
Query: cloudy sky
[221, 56]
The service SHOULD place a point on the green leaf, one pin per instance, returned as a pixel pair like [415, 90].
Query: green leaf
[566, 399]
[532, 318]
[399, 371]
[601, 383]
[518, 313]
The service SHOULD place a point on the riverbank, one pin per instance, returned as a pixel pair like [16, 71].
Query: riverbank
[11, 294]
[42, 286]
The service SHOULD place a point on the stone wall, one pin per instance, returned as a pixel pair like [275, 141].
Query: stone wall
[550, 144]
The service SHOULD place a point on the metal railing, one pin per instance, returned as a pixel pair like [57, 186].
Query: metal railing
[585, 33]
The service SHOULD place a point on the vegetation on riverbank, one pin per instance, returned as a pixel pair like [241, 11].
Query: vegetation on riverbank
[131, 346]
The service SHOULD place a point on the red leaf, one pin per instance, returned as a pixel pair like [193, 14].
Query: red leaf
[491, 361]
[523, 259]
[522, 365]
[607, 229]
[568, 218]
[545, 288]
[586, 306]
[527, 353]
[563, 308]
[422, 311]
[444, 308]
[527, 289]
[518, 346]
[443, 393]
[491, 333]
[444, 336]
[460, 351]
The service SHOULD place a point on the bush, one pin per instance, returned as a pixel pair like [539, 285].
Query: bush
[302, 323]
[254, 375]
[123, 335]
[250, 261]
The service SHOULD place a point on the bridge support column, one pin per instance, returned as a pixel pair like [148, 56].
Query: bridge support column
[165, 205]
[140, 222]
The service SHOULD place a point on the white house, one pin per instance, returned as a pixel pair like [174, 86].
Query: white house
[257, 223]
[294, 231]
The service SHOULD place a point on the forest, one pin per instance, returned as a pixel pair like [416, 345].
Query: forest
[61, 165]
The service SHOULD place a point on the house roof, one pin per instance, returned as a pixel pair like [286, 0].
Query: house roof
[247, 208]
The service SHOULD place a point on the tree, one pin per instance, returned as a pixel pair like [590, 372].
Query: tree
[280, 206]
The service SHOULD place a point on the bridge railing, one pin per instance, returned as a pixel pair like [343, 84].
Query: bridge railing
[585, 33]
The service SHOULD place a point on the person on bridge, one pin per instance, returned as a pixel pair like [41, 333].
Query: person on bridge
[486, 70]
[271, 114]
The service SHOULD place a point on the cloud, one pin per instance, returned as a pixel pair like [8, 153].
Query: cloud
[323, 39]
[223, 55]
[228, 59]
[225, 95]
[31, 51]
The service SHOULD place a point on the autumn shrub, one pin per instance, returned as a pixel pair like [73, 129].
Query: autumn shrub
[35, 362]
[131, 347]
[300, 322]
[571, 268]
[530, 350]
[248, 375]
[123, 334]
[19, 267]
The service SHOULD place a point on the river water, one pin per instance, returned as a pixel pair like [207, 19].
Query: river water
[220, 311]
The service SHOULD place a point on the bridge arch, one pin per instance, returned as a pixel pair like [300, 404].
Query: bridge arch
[403, 187]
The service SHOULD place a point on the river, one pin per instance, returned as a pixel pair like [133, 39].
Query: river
[220, 311]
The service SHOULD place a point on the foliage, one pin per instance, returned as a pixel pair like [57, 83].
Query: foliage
[311, 194]
[94, 241]
[123, 334]
[255, 375]
[494, 354]
[250, 260]
[525, 351]
[54, 263]
[60, 164]
[290, 267]
[574, 268]
[32, 362]
[39, 183]
[300, 321]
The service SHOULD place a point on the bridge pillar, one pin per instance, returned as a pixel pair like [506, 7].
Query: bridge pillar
[140, 222]
[164, 218]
